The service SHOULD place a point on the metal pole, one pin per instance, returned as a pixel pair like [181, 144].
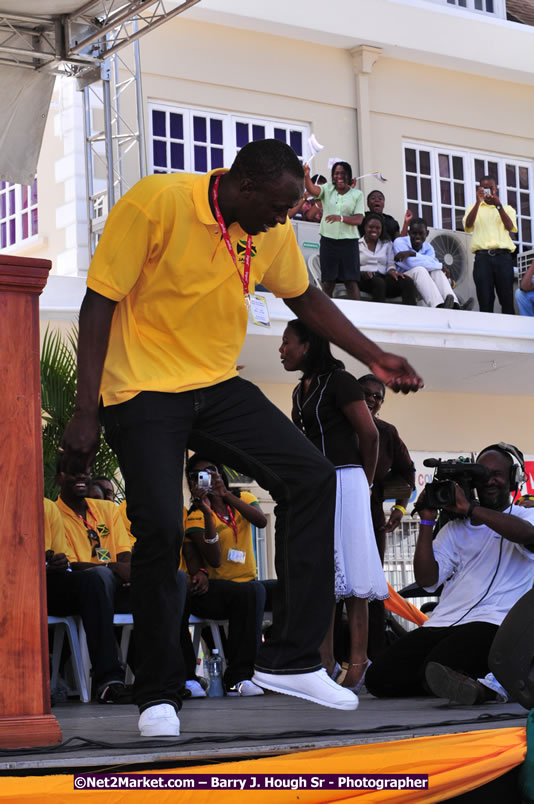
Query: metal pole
[88, 167]
[106, 95]
[140, 109]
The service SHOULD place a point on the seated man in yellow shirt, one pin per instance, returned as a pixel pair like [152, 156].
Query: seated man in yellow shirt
[84, 593]
[219, 527]
[98, 544]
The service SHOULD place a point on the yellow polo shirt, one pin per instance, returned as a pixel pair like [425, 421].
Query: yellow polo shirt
[105, 518]
[230, 570]
[54, 531]
[128, 527]
[180, 321]
[488, 229]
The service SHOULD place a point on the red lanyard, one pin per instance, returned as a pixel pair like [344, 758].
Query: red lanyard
[245, 276]
[232, 523]
[86, 523]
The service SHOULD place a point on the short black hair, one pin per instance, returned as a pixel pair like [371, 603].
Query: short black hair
[373, 192]
[418, 221]
[197, 458]
[318, 359]
[372, 378]
[264, 161]
[346, 167]
[374, 216]
[318, 178]
[488, 178]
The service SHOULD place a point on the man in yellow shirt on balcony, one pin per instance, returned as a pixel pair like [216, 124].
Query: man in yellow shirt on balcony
[491, 222]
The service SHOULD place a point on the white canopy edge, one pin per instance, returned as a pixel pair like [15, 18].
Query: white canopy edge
[24, 99]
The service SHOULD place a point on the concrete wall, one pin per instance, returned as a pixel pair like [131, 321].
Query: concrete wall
[444, 422]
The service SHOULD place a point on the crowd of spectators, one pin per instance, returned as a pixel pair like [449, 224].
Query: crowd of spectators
[392, 252]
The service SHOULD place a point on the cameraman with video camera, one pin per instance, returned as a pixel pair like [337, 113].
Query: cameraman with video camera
[484, 558]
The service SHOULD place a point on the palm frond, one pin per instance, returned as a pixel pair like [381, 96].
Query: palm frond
[58, 390]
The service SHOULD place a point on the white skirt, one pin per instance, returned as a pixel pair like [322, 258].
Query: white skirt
[358, 571]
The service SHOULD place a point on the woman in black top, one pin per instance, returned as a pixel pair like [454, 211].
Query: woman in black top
[329, 408]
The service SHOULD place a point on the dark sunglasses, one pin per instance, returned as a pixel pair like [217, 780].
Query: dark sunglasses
[375, 395]
[94, 539]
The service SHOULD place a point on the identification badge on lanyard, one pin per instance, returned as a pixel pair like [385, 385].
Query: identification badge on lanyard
[237, 556]
[259, 312]
[256, 305]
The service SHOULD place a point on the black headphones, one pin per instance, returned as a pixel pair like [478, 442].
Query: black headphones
[517, 469]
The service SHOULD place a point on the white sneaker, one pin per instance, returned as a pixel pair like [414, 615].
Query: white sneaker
[160, 720]
[195, 689]
[317, 687]
[245, 688]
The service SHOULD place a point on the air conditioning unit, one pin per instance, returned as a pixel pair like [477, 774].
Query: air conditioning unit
[453, 250]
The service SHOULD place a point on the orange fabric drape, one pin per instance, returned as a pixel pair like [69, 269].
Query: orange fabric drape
[455, 764]
[398, 605]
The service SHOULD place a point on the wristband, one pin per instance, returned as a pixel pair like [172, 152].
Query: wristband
[399, 508]
[472, 505]
[211, 541]
[203, 570]
[428, 522]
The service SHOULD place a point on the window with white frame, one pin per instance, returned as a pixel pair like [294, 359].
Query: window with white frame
[198, 140]
[18, 212]
[440, 184]
[497, 8]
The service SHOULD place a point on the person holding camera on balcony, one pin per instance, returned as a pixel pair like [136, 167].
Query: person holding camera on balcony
[490, 223]
[484, 558]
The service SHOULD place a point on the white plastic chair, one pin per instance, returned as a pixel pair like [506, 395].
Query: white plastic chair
[69, 626]
[125, 621]
[197, 624]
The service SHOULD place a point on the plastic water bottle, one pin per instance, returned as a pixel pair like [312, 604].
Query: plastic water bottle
[215, 689]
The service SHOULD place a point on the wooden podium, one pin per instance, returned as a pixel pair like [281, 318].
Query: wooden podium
[25, 718]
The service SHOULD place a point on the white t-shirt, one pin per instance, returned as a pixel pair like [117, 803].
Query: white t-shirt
[468, 556]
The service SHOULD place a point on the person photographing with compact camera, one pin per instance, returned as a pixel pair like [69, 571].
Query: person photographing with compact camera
[490, 222]
[484, 558]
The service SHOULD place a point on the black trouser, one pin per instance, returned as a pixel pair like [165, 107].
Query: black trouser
[90, 593]
[382, 286]
[400, 670]
[233, 423]
[238, 603]
[494, 272]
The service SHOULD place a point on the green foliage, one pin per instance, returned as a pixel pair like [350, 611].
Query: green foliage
[58, 388]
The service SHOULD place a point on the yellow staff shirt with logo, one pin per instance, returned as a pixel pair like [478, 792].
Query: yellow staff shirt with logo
[488, 230]
[54, 531]
[230, 570]
[180, 321]
[128, 527]
[103, 517]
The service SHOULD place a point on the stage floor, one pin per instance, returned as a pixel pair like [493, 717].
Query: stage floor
[224, 729]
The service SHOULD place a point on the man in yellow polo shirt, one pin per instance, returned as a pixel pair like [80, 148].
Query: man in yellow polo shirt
[99, 550]
[161, 327]
[88, 594]
[491, 222]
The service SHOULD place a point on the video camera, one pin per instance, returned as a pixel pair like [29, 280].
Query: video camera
[441, 493]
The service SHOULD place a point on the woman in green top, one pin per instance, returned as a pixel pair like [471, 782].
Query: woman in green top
[342, 213]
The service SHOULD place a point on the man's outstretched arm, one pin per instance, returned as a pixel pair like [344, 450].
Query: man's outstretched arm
[82, 434]
[318, 311]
